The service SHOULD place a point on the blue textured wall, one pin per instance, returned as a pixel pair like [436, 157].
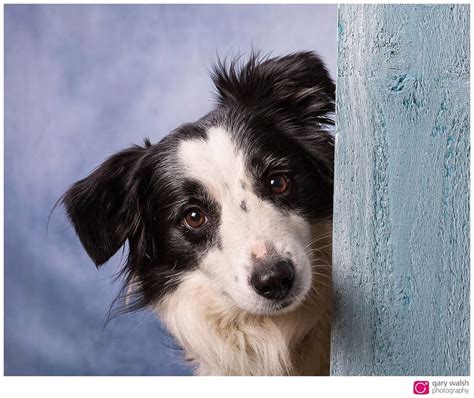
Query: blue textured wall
[401, 228]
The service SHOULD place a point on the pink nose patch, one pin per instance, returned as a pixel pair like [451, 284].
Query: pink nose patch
[259, 249]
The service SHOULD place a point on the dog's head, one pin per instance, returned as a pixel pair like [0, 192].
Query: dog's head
[229, 199]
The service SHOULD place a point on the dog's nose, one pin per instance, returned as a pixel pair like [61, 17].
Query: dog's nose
[273, 281]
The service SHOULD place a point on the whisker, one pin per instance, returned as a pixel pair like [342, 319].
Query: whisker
[319, 248]
[317, 239]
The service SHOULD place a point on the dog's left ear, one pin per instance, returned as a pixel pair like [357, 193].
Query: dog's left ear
[103, 206]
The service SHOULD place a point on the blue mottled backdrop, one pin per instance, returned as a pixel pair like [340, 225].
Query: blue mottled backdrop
[82, 82]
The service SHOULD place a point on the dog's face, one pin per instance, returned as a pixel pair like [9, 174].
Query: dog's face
[230, 199]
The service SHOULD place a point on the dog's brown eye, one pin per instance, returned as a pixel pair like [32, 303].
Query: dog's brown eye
[194, 218]
[278, 183]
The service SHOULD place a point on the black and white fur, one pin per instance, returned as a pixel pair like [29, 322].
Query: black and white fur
[271, 118]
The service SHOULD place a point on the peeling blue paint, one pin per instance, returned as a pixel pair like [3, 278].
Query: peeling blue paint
[398, 86]
[340, 28]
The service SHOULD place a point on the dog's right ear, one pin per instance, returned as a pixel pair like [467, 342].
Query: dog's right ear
[103, 207]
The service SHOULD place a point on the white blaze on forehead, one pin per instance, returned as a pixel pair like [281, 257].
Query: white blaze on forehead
[215, 162]
[248, 224]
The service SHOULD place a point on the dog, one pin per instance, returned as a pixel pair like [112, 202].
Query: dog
[228, 221]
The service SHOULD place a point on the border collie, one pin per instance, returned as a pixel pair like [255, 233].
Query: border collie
[228, 221]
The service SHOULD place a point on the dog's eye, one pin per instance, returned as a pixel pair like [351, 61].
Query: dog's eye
[278, 183]
[194, 218]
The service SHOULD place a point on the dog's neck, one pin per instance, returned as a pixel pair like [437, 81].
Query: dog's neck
[223, 340]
